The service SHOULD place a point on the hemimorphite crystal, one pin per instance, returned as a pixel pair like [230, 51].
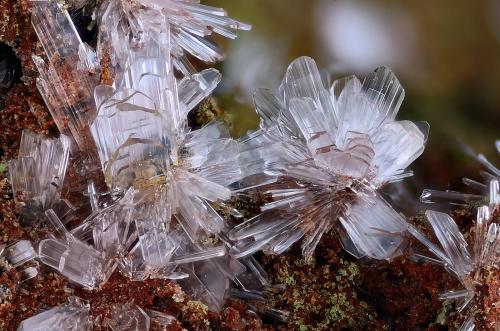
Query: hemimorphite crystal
[78, 261]
[128, 317]
[329, 150]
[488, 187]
[19, 253]
[71, 316]
[155, 166]
[470, 267]
[38, 173]
[65, 83]
[188, 21]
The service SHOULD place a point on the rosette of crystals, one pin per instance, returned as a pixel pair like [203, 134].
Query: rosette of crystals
[320, 155]
[189, 22]
[475, 269]
[139, 147]
[146, 148]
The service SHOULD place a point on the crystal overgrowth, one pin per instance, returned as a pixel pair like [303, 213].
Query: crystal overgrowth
[320, 155]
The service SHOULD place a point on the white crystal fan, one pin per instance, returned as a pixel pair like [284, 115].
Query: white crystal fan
[320, 155]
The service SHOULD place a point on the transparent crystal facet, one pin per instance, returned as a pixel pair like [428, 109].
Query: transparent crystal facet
[37, 175]
[64, 86]
[72, 316]
[19, 253]
[321, 144]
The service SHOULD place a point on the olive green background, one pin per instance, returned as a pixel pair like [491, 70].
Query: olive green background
[445, 53]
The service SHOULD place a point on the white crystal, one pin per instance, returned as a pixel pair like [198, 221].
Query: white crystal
[159, 320]
[78, 261]
[65, 88]
[128, 317]
[452, 242]
[38, 173]
[188, 22]
[28, 273]
[19, 253]
[455, 256]
[325, 142]
[489, 188]
[206, 283]
[375, 229]
[73, 316]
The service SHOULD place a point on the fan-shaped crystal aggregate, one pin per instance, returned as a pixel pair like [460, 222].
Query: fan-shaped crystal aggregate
[320, 155]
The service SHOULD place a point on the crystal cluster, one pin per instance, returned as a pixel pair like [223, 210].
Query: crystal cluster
[320, 155]
[154, 215]
[122, 22]
[71, 316]
[66, 88]
[152, 187]
[38, 173]
[471, 267]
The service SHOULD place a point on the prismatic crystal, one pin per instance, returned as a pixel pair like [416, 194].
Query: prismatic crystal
[477, 269]
[320, 155]
[130, 187]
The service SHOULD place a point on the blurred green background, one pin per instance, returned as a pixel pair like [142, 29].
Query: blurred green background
[445, 53]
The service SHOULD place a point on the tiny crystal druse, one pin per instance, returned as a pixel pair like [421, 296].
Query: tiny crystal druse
[476, 268]
[320, 154]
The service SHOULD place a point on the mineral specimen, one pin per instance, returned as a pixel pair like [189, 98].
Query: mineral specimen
[155, 167]
[150, 201]
[320, 155]
[65, 86]
[72, 316]
[121, 22]
[478, 269]
[38, 173]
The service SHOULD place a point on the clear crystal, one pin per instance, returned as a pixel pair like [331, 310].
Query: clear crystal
[324, 143]
[189, 22]
[19, 253]
[454, 255]
[37, 175]
[488, 187]
[128, 317]
[72, 316]
[374, 228]
[206, 283]
[78, 261]
[160, 321]
[66, 89]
